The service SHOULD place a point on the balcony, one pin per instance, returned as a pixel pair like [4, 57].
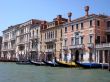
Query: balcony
[33, 49]
[50, 40]
[49, 50]
[104, 45]
[78, 46]
[108, 30]
[90, 45]
[65, 47]
[33, 37]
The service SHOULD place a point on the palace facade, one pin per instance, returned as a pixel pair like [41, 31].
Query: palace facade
[84, 39]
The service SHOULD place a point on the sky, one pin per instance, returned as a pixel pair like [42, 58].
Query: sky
[14, 12]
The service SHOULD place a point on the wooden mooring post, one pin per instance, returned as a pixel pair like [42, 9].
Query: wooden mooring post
[109, 60]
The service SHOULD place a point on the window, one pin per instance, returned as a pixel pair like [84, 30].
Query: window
[76, 41]
[45, 35]
[81, 40]
[108, 24]
[51, 34]
[61, 32]
[76, 26]
[90, 23]
[98, 39]
[72, 41]
[81, 25]
[37, 31]
[72, 27]
[65, 29]
[98, 23]
[65, 42]
[91, 38]
[55, 34]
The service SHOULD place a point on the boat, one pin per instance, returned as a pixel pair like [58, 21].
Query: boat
[89, 65]
[23, 63]
[50, 63]
[40, 63]
[66, 64]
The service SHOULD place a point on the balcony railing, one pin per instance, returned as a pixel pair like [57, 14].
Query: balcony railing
[65, 47]
[34, 37]
[50, 40]
[104, 45]
[108, 29]
[78, 46]
[49, 50]
[33, 49]
[90, 45]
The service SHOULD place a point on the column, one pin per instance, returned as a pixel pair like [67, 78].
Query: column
[103, 56]
[98, 56]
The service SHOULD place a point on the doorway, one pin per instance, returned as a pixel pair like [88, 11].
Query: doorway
[77, 55]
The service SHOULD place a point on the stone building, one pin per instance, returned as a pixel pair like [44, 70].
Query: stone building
[23, 42]
[50, 37]
[8, 51]
[81, 36]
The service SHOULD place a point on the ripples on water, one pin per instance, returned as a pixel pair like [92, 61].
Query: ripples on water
[11, 72]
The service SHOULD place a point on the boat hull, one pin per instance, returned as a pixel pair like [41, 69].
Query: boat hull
[37, 63]
[64, 64]
[91, 65]
[51, 63]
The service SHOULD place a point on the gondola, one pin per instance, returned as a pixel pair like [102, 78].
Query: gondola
[23, 62]
[89, 65]
[50, 63]
[40, 63]
[66, 64]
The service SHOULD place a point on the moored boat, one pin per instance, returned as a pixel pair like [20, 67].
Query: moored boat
[66, 64]
[50, 63]
[40, 63]
[23, 63]
[89, 65]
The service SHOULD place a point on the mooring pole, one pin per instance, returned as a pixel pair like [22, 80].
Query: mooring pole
[109, 60]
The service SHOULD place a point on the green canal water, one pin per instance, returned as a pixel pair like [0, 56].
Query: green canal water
[11, 72]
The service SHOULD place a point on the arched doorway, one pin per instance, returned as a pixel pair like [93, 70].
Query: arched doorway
[77, 55]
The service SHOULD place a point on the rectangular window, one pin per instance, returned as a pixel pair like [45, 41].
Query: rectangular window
[72, 41]
[98, 23]
[45, 35]
[65, 42]
[81, 25]
[108, 24]
[72, 27]
[76, 26]
[76, 41]
[65, 29]
[91, 39]
[81, 40]
[61, 32]
[90, 23]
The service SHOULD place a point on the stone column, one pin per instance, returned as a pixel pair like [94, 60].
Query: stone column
[103, 56]
[98, 56]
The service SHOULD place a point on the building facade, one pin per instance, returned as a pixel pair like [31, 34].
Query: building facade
[9, 43]
[50, 38]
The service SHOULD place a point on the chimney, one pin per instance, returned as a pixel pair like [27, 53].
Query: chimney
[59, 17]
[87, 10]
[69, 16]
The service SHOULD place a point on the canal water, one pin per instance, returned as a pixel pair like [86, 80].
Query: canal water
[11, 72]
